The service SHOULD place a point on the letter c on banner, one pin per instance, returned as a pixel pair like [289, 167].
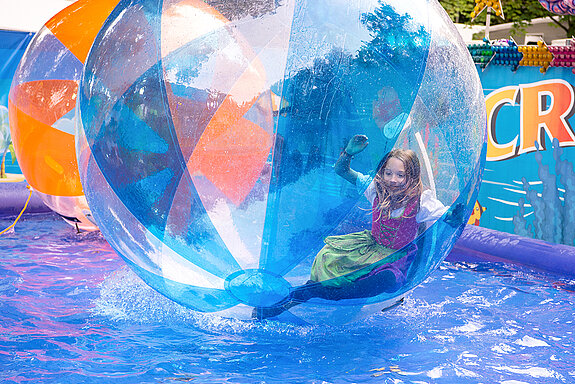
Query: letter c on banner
[494, 102]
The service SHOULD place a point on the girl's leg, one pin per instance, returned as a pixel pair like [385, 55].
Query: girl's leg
[383, 281]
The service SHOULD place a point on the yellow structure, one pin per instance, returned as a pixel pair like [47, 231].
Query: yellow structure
[480, 5]
[536, 56]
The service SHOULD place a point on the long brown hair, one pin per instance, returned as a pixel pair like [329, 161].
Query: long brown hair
[412, 188]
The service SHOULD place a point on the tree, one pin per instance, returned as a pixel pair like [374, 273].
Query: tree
[458, 10]
[518, 12]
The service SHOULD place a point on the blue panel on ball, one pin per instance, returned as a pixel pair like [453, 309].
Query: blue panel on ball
[136, 148]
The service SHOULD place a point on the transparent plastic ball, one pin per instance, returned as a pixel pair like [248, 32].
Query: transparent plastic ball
[42, 103]
[208, 134]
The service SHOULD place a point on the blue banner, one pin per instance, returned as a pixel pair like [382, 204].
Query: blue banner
[13, 44]
[529, 181]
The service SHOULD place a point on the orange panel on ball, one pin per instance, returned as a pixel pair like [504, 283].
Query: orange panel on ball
[45, 100]
[86, 16]
[45, 155]
[231, 153]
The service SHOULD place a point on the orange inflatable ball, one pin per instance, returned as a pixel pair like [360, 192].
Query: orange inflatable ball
[42, 105]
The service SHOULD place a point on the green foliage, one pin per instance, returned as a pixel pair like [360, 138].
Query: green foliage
[458, 10]
[518, 12]
[12, 152]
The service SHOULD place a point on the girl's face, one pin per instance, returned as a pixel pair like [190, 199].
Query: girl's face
[394, 174]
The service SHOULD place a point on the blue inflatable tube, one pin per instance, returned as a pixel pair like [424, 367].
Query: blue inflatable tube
[478, 244]
[13, 196]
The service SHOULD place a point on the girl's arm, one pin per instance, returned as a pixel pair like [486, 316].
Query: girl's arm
[342, 166]
[430, 209]
[343, 169]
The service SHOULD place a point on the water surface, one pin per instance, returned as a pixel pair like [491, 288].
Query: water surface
[72, 312]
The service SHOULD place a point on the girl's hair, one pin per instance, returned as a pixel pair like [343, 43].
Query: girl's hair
[412, 188]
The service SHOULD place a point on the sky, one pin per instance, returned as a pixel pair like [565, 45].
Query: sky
[29, 15]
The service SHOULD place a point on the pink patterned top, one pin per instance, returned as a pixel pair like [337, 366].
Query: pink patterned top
[395, 232]
[401, 228]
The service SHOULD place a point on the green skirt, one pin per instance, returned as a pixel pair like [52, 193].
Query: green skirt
[346, 258]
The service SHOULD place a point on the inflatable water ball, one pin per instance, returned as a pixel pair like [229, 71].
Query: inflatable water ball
[42, 103]
[208, 131]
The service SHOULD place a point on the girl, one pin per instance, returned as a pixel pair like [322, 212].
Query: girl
[399, 205]
[365, 264]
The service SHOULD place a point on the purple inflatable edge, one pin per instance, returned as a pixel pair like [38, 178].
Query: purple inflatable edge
[13, 196]
[478, 244]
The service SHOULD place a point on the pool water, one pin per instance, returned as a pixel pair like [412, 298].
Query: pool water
[72, 312]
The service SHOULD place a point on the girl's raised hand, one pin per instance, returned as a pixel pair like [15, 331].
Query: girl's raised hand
[356, 145]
